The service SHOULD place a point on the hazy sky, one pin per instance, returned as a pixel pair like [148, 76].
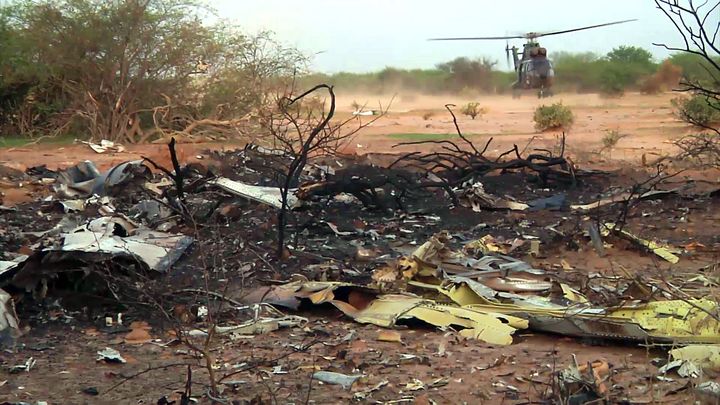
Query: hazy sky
[367, 35]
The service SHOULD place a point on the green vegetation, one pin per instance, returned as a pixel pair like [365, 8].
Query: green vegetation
[113, 69]
[461, 75]
[472, 110]
[697, 110]
[100, 68]
[20, 141]
[621, 69]
[626, 68]
[555, 116]
[695, 68]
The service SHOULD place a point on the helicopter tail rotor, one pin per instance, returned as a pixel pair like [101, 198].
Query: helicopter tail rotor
[507, 53]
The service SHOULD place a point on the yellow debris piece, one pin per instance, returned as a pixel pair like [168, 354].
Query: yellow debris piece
[676, 320]
[490, 327]
[460, 293]
[571, 294]
[387, 310]
[661, 251]
[704, 356]
[485, 245]
[482, 313]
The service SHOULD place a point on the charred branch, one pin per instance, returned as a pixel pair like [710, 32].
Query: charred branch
[177, 175]
[450, 167]
[455, 165]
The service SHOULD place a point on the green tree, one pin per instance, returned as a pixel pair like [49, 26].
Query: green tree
[100, 67]
[631, 55]
[577, 71]
[625, 67]
[695, 68]
[110, 60]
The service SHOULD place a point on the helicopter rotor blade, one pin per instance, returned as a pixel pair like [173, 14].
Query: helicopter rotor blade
[476, 38]
[544, 34]
[530, 35]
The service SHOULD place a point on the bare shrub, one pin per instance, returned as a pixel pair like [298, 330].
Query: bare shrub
[301, 129]
[667, 77]
[698, 28]
[472, 109]
[611, 138]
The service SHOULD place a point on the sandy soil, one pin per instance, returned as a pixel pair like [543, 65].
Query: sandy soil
[647, 121]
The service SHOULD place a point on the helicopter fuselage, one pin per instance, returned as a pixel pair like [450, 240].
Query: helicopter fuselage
[536, 73]
[534, 69]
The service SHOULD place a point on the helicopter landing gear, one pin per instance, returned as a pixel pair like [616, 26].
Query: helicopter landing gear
[543, 92]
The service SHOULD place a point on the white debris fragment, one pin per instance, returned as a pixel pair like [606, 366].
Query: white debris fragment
[110, 355]
[266, 195]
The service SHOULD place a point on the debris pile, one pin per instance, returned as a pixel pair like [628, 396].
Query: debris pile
[484, 251]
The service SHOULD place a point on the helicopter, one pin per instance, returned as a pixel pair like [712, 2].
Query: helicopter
[534, 69]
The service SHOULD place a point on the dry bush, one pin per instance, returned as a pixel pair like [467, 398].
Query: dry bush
[300, 128]
[472, 110]
[427, 115]
[698, 29]
[611, 138]
[702, 149]
[666, 78]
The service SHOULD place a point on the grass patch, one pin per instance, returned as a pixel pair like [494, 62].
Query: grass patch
[19, 141]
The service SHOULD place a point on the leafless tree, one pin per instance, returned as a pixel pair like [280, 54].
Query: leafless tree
[301, 127]
[698, 24]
